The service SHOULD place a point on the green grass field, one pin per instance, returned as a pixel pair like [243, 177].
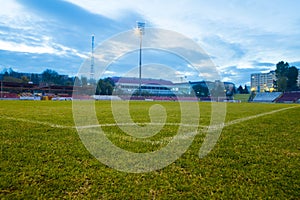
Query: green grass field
[42, 156]
[242, 97]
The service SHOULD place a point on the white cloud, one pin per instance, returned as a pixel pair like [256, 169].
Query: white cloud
[227, 79]
[234, 33]
[183, 74]
[8, 6]
[189, 15]
[26, 32]
[109, 73]
[15, 16]
[12, 46]
[44, 48]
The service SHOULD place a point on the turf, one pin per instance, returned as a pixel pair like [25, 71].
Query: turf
[42, 156]
[241, 97]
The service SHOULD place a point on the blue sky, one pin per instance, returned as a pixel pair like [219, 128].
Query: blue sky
[241, 37]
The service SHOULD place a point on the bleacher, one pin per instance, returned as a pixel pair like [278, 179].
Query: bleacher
[289, 97]
[6, 95]
[106, 97]
[81, 97]
[186, 99]
[159, 98]
[267, 96]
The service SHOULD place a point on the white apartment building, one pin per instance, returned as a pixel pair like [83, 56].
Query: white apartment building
[263, 82]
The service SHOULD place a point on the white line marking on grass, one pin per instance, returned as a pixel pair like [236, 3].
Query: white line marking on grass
[236, 121]
[139, 124]
[37, 122]
[96, 125]
[164, 140]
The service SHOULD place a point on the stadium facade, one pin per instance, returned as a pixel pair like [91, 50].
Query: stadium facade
[161, 87]
[153, 87]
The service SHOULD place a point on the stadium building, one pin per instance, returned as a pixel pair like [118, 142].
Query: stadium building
[160, 87]
[149, 86]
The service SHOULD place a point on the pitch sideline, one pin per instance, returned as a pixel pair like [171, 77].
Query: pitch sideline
[236, 121]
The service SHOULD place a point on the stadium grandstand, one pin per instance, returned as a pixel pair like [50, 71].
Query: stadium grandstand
[149, 86]
[289, 97]
[126, 88]
[30, 91]
[164, 90]
[267, 96]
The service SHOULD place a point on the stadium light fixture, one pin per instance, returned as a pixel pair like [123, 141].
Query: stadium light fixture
[141, 31]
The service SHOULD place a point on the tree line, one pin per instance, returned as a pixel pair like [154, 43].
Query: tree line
[287, 77]
[48, 76]
[286, 80]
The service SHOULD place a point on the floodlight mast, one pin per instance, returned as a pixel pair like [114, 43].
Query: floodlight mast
[92, 71]
[141, 30]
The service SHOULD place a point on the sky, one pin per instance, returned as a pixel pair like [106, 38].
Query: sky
[240, 37]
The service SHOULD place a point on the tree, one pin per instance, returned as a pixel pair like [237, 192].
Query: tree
[12, 79]
[286, 77]
[69, 83]
[35, 78]
[282, 84]
[281, 69]
[110, 81]
[25, 79]
[50, 76]
[292, 76]
[246, 91]
[105, 87]
[281, 74]
[240, 90]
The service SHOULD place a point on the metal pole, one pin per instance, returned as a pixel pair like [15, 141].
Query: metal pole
[140, 27]
[92, 72]
[140, 67]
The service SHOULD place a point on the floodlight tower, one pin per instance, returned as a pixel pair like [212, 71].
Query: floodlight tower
[92, 72]
[141, 30]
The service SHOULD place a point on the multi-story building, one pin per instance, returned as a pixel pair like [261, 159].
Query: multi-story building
[263, 82]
